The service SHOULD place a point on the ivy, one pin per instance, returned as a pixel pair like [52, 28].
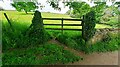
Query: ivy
[36, 32]
[89, 25]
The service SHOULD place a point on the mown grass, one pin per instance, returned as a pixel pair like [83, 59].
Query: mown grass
[27, 18]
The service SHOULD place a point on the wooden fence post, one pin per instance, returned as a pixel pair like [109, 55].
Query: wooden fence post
[8, 21]
[62, 25]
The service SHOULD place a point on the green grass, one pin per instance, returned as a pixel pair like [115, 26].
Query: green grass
[21, 22]
[31, 55]
[111, 43]
[10, 38]
[27, 18]
[45, 54]
[76, 42]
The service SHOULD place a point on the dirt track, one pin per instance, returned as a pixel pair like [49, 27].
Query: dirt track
[108, 58]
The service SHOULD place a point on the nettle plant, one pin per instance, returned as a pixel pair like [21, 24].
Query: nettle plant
[89, 25]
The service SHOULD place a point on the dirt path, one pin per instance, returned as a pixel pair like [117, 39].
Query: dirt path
[108, 58]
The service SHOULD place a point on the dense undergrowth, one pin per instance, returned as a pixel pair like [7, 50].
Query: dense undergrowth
[16, 38]
[18, 51]
[44, 54]
[13, 42]
[111, 43]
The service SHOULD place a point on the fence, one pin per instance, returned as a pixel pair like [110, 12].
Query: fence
[87, 23]
[62, 24]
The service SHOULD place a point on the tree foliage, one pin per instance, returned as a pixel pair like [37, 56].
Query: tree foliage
[24, 6]
[1, 9]
[78, 8]
[99, 9]
[54, 4]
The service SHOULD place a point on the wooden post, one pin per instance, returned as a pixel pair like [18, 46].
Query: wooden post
[62, 25]
[8, 21]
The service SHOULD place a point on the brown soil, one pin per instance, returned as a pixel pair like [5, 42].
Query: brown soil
[109, 58]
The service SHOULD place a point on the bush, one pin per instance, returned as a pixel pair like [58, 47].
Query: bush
[89, 25]
[36, 32]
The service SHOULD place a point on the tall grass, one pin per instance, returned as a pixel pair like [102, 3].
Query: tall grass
[111, 43]
[15, 38]
[43, 54]
[11, 37]
[0, 34]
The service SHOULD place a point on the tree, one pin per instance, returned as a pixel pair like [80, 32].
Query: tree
[24, 6]
[1, 9]
[99, 10]
[78, 9]
[54, 4]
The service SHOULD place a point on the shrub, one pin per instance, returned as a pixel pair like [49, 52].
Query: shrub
[89, 25]
[36, 32]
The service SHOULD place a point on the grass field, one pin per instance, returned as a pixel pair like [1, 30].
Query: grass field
[15, 52]
[27, 18]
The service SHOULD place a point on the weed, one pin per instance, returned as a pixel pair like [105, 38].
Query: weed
[44, 54]
[109, 43]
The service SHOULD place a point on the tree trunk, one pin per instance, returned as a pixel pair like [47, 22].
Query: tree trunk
[26, 12]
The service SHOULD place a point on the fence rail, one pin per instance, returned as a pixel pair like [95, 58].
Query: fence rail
[65, 24]
[62, 24]
[62, 19]
[63, 29]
